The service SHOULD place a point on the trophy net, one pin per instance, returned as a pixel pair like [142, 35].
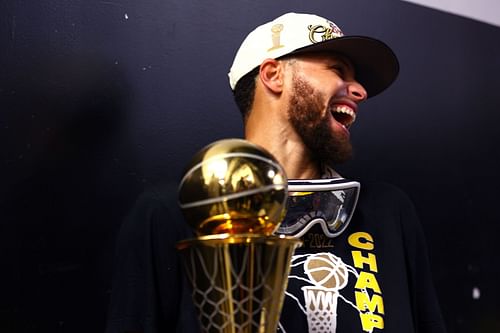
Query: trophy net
[238, 283]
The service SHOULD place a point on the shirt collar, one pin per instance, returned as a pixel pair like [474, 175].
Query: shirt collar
[328, 172]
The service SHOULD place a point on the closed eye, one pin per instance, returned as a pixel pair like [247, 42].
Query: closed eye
[339, 69]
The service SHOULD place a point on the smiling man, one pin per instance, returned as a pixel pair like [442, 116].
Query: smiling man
[299, 82]
[302, 111]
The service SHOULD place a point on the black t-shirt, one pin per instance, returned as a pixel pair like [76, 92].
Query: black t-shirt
[372, 278]
[149, 290]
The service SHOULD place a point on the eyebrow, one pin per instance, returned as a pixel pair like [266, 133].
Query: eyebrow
[345, 62]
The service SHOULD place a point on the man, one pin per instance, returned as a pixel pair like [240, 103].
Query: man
[298, 82]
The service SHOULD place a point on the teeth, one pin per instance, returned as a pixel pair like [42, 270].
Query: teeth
[346, 110]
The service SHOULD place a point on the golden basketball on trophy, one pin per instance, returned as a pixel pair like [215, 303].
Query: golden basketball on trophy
[234, 195]
[233, 186]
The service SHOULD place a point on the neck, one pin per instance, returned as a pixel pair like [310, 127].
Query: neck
[294, 158]
[273, 132]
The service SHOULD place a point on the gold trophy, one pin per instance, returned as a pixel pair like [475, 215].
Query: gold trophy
[234, 196]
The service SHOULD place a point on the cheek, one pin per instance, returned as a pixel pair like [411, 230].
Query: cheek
[329, 84]
[338, 89]
[309, 101]
[330, 87]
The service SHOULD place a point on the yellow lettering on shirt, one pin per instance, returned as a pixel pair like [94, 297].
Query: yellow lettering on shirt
[361, 240]
[367, 280]
[360, 260]
[369, 300]
[373, 304]
[369, 321]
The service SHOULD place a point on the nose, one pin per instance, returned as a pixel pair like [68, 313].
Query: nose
[356, 91]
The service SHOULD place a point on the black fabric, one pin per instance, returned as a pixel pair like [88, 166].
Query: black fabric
[387, 217]
[150, 294]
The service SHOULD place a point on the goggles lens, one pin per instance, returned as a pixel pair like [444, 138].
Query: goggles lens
[328, 202]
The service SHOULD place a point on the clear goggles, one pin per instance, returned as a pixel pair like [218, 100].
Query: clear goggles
[327, 202]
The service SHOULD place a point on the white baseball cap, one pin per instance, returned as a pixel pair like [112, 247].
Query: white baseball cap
[376, 65]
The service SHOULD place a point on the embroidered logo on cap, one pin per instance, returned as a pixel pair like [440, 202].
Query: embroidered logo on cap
[320, 33]
[276, 30]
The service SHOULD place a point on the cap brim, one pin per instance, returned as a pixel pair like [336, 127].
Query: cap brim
[375, 64]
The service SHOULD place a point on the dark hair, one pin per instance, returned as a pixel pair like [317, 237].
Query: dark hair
[244, 92]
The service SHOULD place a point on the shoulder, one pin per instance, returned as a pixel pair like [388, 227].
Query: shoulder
[156, 211]
[160, 199]
[384, 195]
[387, 208]
[382, 189]
[159, 195]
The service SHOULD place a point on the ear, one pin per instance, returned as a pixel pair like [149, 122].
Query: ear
[271, 75]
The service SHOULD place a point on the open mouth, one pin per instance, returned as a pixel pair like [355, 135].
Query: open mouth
[344, 115]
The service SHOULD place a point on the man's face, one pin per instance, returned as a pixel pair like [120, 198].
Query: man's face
[323, 104]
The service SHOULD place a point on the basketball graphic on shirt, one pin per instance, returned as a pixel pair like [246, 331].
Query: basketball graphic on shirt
[326, 270]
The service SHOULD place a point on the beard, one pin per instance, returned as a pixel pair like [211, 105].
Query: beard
[306, 115]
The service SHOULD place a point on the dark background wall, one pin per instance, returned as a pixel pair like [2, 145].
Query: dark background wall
[100, 99]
